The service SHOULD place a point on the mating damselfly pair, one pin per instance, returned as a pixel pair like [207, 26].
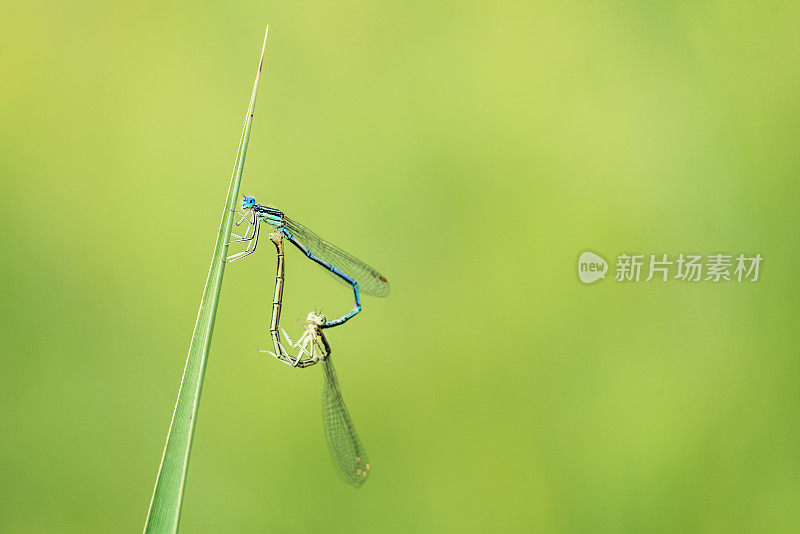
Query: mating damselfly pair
[313, 346]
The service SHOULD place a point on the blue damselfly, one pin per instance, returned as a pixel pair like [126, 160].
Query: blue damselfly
[348, 269]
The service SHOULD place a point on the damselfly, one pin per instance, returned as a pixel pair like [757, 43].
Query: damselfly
[313, 347]
[353, 272]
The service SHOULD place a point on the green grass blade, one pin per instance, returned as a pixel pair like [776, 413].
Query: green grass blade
[165, 507]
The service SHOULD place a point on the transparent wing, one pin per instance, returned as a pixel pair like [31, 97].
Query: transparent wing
[340, 433]
[370, 281]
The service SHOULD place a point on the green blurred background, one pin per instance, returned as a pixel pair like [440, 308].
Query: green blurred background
[470, 151]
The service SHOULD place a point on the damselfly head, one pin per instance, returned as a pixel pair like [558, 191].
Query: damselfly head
[316, 318]
[248, 202]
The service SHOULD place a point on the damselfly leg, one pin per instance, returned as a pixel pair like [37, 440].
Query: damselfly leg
[250, 237]
[311, 346]
[250, 226]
